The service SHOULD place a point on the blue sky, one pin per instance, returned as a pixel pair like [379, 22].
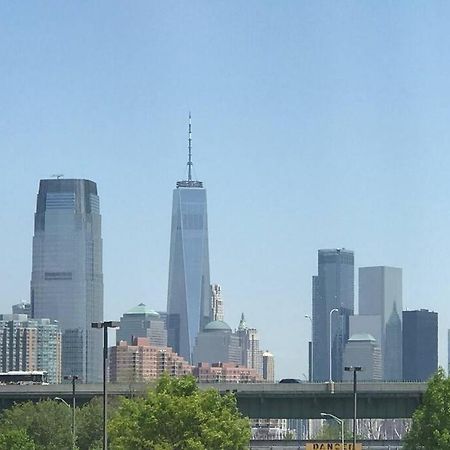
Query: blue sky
[315, 125]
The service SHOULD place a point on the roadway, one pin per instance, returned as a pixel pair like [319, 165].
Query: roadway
[262, 400]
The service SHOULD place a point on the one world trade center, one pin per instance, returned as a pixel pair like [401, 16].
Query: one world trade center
[188, 299]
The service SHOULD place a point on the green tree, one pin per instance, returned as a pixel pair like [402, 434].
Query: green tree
[178, 416]
[331, 430]
[431, 421]
[89, 423]
[47, 423]
[15, 439]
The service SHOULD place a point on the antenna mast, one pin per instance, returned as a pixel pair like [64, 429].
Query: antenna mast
[190, 151]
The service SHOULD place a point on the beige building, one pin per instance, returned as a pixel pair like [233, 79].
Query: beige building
[251, 355]
[268, 367]
[142, 361]
[225, 373]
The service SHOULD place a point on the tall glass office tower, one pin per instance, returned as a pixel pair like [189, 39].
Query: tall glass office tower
[188, 299]
[333, 288]
[67, 278]
[380, 294]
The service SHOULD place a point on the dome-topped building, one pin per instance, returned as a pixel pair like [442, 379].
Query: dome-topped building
[217, 325]
[143, 309]
[142, 321]
[217, 343]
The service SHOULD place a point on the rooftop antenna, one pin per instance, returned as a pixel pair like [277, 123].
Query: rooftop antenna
[58, 176]
[190, 151]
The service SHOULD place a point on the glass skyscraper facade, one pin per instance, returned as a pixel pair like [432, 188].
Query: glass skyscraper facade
[67, 278]
[380, 294]
[188, 301]
[333, 288]
[420, 345]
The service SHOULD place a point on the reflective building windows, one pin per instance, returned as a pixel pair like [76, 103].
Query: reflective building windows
[67, 278]
[188, 302]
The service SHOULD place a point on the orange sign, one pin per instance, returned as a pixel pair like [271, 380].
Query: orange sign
[332, 446]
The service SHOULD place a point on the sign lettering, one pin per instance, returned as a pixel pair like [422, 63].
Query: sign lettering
[332, 446]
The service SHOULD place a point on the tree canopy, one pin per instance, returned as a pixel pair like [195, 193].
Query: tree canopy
[15, 439]
[431, 421]
[178, 416]
[46, 424]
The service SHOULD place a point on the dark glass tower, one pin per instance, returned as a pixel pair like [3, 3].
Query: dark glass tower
[333, 288]
[67, 278]
[420, 345]
[188, 300]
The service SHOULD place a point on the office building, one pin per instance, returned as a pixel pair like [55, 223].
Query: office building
[188, 300]
[268, 367]
[333, 288]
[420, 344]
[22, 308]
[216, 302]
[252, 356]
[30, 344]
[142, 321]
[380, 294]
[217, 343]
[140, 362]
[67, 279]
[362, 351]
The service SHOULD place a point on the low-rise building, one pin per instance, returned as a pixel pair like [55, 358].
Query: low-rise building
[225, 373]
[142, 361]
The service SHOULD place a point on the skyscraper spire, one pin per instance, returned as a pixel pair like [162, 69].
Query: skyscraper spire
[189, 183]
[190, 150]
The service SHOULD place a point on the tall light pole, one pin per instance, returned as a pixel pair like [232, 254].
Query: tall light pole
[105, 326]
[73, 434]
[339, 421]
[73, 379]
[355, 370]
[311, 369]
[331, 313]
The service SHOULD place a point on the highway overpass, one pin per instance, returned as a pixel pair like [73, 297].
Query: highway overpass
[261, 400]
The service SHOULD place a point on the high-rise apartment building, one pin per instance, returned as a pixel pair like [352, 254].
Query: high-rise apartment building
[141, 321]
[380, 294]
[188, 300]
[22, 308]
[420, 345]
[140, 361]
[333, 289]
[67, 279]
[30, 344]
[268, 367]
[216, 302]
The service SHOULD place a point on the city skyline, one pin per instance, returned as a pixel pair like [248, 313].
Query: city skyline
[312, 130]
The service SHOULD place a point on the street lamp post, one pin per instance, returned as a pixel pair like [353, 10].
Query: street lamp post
[105, 326]
[311, 369]
[355, 370]
[73, 379]
[73, 435]
[331, 313]
[339, 421]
